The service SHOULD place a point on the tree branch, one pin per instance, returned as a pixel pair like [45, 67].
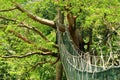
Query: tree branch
[27, 26]
[32, 53]
[44, 49]
[20, 36]
[11, 9]
[34, 17]
[31, 28]
[37, 31]
[58, 58]
[38, 63]
[60, 21]
[8, 19]
[34, 29]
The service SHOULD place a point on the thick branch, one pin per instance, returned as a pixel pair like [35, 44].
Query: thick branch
[32, 53]
[34, 17]
[11, 9]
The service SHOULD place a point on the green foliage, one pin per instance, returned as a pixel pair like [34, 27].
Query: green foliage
[102, 16]
[4, 68]
[11, 45]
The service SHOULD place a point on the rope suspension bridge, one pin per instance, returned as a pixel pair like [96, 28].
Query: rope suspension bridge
[85, 67]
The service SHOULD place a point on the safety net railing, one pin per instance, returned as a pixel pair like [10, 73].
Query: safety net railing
[85, 67]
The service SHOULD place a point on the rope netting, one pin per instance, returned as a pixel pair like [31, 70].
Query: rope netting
[86, 67]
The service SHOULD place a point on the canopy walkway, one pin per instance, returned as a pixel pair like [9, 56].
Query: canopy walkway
[80, 67]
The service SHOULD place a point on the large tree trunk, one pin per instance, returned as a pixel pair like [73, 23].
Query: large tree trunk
[59, 71]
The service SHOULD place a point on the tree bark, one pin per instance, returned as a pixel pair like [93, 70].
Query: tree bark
[59, 71]
[59, 67]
